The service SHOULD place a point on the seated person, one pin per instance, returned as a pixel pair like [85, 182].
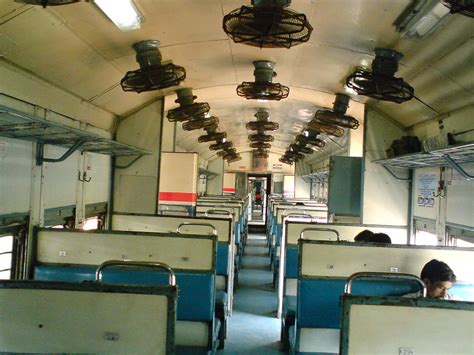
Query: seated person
[363, 236]
[379, 238]
[438, 278]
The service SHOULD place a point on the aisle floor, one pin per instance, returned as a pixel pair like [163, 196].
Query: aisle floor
[254, 328]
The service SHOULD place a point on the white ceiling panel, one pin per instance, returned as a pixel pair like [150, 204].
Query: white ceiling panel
[76, 48]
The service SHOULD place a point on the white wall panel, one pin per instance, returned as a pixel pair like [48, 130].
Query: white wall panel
[385, 199]
[97, 190]
[420, 209]
[460, 198]
[15, 175]
[59, 179]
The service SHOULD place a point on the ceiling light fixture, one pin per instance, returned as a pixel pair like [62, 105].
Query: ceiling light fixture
[421, 19]
[123, 13]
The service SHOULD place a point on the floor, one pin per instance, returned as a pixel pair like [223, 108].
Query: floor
[254, 328]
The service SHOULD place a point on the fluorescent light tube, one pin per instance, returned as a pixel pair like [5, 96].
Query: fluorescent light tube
[422, 19]
[123, 13]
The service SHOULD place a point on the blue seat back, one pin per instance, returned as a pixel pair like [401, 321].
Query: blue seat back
[196, 290]
[318, 302]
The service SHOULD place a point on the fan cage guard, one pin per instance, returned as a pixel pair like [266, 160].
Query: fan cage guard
[260, 145]
[188, 112]
[263, 91]
[267, 27]
[380, 87]
[45, 3]
[217, 136]
[262, 126]
[330, 117]
[464, 7]
[153, 78]
[330, 130]
[301, 149]
[286, 160]
[200, 123]
[312, 141]
[221, 145]
[260, 138]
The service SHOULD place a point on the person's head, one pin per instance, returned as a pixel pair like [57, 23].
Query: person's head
[380, 238]
[363, 236]
[438, 278]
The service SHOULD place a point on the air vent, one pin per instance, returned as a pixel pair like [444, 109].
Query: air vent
[153, 74]
[188, 109]
[45, 3]
[201, 123]
[337, 115]
[267, 24]
[463, 7]
[258, 137]
[216, 136]
[381, 84]
[330, 130]
[263, 88]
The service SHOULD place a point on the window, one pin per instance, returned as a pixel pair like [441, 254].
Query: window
[461, 243]
[6, 253]
[425, 238]
[91, 224]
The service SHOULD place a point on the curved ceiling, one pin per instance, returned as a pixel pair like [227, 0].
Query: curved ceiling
[75, 47]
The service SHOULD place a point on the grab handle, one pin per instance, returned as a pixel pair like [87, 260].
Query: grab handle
[315, 229]
[384, 275]
[100, 269]
[214, 231]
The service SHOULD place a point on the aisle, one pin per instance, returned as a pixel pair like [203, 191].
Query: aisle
[254, 328]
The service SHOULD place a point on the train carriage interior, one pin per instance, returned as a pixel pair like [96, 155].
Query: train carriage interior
[237, 176]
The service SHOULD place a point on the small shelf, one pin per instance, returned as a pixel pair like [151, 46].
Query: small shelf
[19, 125]
[461, 153]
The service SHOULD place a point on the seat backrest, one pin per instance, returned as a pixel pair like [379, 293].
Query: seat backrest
[74, 255]
[381, 325]
[51, 317]
[324, 267]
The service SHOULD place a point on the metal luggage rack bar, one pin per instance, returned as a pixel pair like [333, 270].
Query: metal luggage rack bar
[451, 156]
[19, 125]
[316, 176]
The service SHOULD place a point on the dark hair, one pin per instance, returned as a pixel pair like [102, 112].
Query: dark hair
[380, 238]
[363, 236]
[436, 270]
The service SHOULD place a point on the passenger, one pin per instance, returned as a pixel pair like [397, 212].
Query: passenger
[438, 278]
[380, 238]
[363, 236]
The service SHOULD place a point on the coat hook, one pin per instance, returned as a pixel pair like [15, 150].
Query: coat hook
[84, 177]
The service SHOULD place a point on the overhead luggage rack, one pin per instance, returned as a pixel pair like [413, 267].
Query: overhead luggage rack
[19, 125]
[451, 156]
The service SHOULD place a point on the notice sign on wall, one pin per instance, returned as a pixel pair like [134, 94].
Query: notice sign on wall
[277, 166]
[426, 189]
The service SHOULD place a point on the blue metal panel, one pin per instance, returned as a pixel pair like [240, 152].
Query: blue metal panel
[345, 177]
[318, 299]
[196, 290]
[222, 266]
[278, 233]
[291, 267]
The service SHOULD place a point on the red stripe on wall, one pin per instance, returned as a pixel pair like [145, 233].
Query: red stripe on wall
[229, 189]
[178, 196]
